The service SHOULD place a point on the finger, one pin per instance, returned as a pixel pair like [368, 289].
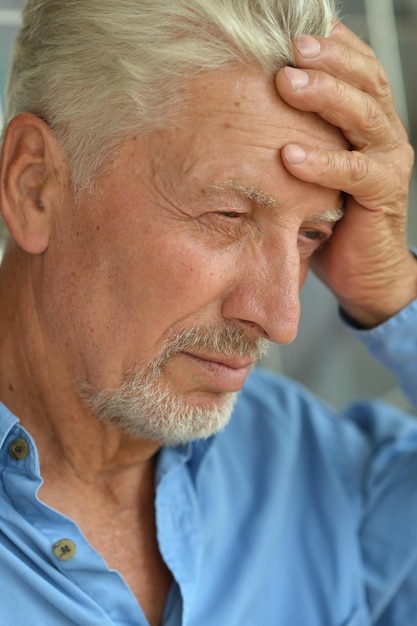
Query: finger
[348, 64]
[356, 113]
[355, 173]
[342, 33]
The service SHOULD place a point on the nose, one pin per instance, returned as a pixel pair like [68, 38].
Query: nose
[266, 294]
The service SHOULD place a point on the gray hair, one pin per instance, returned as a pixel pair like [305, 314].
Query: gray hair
[99, 70]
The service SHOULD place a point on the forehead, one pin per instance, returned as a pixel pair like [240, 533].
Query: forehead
[231, 127]
[244, 105]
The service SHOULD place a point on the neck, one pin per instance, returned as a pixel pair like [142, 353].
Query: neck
[108, 479]
[36, 385]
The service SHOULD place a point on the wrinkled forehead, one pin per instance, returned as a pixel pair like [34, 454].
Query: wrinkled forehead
[244, 105]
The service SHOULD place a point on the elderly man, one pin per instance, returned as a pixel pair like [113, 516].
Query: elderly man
[169, 171]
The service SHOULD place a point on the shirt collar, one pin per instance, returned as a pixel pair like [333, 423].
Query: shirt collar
[7, 422]
[192, 453]
[169, 458]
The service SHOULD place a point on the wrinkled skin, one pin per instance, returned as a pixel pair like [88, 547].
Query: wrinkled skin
[178, 236]
[367, 263]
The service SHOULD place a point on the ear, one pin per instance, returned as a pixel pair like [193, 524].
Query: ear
[27, 180]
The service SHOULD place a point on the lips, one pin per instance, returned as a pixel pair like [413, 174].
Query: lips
[221, 373]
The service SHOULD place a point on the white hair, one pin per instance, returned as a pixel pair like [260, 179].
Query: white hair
[99, 70]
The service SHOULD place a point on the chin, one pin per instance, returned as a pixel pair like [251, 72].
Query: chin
[157, 413]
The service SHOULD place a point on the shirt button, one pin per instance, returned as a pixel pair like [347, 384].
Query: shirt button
[19, 449]
[65, 549]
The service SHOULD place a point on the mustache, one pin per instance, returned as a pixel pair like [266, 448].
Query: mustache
[226, 339]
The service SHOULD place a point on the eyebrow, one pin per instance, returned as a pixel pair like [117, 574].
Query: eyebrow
[264, 199]
[251, 193]
[331, 215]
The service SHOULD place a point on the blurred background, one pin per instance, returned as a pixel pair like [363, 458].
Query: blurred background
[323, 356]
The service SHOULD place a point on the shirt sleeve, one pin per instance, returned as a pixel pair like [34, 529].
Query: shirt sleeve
[388, 531]
[394, 344]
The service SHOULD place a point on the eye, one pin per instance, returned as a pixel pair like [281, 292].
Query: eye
[231, 214]
[310, 240]
[313, 235]
[317, 235]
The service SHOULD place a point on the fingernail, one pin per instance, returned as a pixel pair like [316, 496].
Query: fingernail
[297, 78]
[295, 154]
[307, 46]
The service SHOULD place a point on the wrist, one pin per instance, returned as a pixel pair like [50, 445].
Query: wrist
[384, 302]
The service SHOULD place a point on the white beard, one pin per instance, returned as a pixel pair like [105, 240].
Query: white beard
[145, 406]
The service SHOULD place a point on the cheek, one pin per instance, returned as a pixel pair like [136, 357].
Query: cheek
[170, 281]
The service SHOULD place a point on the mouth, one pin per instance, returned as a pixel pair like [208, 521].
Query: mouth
[221, 373]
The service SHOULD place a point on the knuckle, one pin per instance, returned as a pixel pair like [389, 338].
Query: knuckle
[402, 161]
[359, 167]
[326, 164]
[382, 84]
[341, 96]
[378, 84]
[344, 59]
[371, 53]
[374, 120]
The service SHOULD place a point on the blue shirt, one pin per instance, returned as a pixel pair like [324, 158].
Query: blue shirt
[292, 516]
